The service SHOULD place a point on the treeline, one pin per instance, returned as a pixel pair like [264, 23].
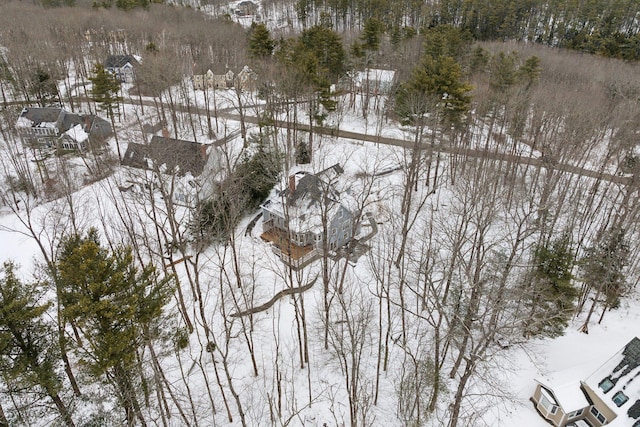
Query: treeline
[608, 28]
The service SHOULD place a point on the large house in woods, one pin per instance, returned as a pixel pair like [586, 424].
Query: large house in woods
[217, 77]
[122, 66]
[59, 129]
[189, 166]
[307, 217]
[609, 396]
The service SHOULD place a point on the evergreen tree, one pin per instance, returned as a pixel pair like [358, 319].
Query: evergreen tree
[44, 87]
[302, 153]
[552, 296]
[104, 92]
[261, 44]
[435, 86]
[326, 47]
[603, 272]
[28, 356]
[371, 32]
[529, 72]
[258, 173]
[115, 306]
[242, 192]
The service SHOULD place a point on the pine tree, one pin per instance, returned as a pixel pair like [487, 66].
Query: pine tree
[258, 173]
[302, 153]
[603, 272]
[529, 72]
[371, 32]
[44, 87]
[28, 356]
[104, 92]
[261, 44]
[326, 46]
[552, 296]
[436, 85]
[114, 305]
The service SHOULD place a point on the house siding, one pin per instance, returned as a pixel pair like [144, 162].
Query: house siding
[556, 419]
[602, 407]
[340, 228]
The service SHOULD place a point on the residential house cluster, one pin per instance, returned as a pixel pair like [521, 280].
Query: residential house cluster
[308, 217]
[609, 396]
[59, 129]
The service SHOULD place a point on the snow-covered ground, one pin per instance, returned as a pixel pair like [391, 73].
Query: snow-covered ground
[315, 395]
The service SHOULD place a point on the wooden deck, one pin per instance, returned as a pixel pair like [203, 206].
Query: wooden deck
[280, 240]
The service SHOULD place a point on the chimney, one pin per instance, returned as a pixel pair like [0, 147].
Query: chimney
[292, 184]
[165, 132]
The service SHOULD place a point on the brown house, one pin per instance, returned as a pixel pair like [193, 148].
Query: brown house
[609, 396]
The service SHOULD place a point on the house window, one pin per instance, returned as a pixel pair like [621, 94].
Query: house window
[619, 399]
[575, 413]
[598, 415]
[547, 404]
[606, 384]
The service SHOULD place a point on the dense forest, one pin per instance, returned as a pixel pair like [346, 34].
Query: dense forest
[493, 184]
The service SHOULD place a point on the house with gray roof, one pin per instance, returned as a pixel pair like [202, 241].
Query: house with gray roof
[308, 217]
[184, 167]
[610, 396]
[122, 66]
[56, 128]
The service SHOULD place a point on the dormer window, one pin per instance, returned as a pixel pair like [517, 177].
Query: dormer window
[620, 399]
[606, 384]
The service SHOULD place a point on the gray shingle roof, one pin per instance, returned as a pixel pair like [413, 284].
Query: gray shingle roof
[119, 61]
[175, 154]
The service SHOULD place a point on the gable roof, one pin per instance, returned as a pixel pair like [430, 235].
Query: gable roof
[623, 371]
[311, 187]
[217, 69]
[306, 198]
[173, 154]
[48, 117]
[119, 61]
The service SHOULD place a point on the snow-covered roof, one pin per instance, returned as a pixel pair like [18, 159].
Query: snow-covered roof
[23, 122]
[621, 374]
[307, 199]
[568, 395]
[375, 75]
[77, 133]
